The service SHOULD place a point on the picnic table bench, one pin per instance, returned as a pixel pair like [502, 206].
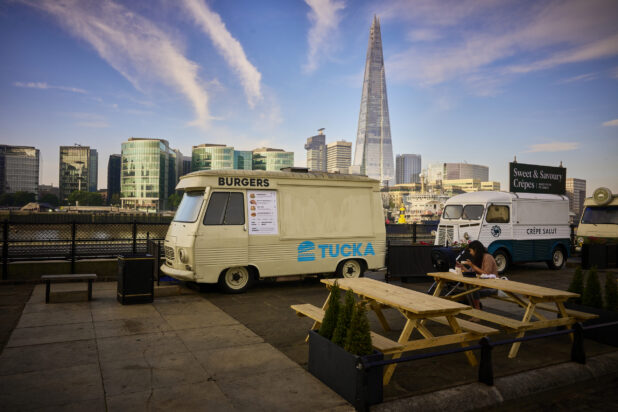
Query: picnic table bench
[416, 307]
[530, 297]
[48, 279]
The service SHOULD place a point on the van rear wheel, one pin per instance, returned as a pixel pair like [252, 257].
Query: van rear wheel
[351, 269]
[235, 280]
[502, 260]
[557, 259]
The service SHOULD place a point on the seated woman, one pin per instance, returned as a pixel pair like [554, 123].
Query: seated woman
[481, 263]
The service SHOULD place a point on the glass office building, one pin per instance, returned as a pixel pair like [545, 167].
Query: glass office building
[148, 174]
[212, 157]
[113, 176]
[75, 170]
[339, 156]
[19, 169]
[269, 159]
[93, 175]
[316, 152]
[408, 168]
[374, 149]
[243, 159]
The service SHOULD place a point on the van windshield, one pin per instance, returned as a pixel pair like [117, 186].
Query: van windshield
[473, 212]
[189, 207]
[601, 215]
[452, 212]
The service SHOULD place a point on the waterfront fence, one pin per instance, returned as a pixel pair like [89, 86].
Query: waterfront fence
[409, 233]
[28, 241]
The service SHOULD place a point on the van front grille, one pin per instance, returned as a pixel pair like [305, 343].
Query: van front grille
[445, 234]
[169, 253]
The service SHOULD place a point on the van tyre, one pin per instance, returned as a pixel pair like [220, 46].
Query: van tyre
[351, 269]
[557, 259]
[502, 260]
[236, 280]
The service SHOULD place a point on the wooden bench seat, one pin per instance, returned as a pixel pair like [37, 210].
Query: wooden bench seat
[48, 279]
[468, 326]
[571, 312]
[508, 323]
[379, 342]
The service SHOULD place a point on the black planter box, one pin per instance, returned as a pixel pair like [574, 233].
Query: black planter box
[594, 255]
[409, 260]
[135, 279]
[612, 255]
[607, 335]
[337, 368]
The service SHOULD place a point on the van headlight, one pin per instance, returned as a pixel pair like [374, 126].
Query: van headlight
[433, 233]
[466, 235]
[580, 241]
[183, 255]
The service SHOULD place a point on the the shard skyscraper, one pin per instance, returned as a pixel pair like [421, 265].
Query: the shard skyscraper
[374, 149]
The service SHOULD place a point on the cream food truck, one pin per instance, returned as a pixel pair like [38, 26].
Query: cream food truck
[514, 227]
[233, 227]
[599, 220]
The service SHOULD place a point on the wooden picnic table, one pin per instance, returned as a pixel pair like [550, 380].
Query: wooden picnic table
[530, 297]
[416, 307]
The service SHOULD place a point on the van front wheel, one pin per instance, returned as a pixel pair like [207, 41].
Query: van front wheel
[235, 280]
[557, 259]
[350, 269]
[502, 260]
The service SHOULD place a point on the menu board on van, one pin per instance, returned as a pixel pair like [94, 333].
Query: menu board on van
[262, 210]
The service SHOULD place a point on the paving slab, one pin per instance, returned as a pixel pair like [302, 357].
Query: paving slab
[55, 317]
[131, 326]
[212, 318]
[217, 337]
[103, 310]
[50, 334]
[141, 346]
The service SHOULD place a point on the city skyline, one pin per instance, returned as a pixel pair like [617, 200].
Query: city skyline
[462, 84]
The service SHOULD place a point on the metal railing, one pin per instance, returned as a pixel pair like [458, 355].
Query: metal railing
[485, 369]
[410, 232]
[26, 241]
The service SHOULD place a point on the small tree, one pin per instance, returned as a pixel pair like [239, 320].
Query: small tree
[592, 293]
[611, 292]
[50, 198]
[358, 339]
[577, 284]
[332, 313]
[345, 316]
[173, 201]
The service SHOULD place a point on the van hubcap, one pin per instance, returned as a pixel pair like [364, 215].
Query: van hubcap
[558, 258]
[237, 278]
[351, 269]
[500, 262]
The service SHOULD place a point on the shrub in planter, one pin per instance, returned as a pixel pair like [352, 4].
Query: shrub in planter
[332, 313]
[611, 292]
[343, 321]
[592, 293]
[358, 339]
[577, 285]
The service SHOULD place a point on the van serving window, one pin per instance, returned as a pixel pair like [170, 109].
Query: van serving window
[225, 208]
[452, 212]
[497, 214]
[473, 212]
[189, 207]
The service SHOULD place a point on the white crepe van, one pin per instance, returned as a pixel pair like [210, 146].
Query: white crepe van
[514, 227]
[235, 226]
[599, 221]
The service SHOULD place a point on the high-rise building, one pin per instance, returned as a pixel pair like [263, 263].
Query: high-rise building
[339, 156]
[243, 159]
[466, 171]
[186, 165]
[113, 176]
[316, 152]
[179, 165]
[19, 169]
[269, 159]
[212, 157]
[576, 192]
[374, 150]
[94, 171]
[408, 168]
[75, 169]
[148, 173]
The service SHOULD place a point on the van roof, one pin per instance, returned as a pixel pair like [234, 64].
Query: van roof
[189, 180]
[492, 196]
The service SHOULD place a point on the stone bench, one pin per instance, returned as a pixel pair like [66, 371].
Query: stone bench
[48, 279]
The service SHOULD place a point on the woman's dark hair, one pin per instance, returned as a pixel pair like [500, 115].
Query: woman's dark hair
[479, 251]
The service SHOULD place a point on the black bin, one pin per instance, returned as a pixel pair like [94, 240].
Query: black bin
[135, 279]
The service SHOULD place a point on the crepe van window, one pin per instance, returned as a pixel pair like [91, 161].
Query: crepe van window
[497, 214]
[225, 208]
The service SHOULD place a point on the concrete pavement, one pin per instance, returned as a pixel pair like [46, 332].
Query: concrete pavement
[181, 352]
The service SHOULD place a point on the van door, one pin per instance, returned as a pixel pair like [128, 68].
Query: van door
[222, 239]
[497, 224]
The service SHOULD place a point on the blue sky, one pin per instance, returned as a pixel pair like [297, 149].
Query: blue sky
[479, 81]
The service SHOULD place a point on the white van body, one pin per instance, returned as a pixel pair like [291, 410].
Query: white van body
[599, 220]
[274, 224]
[514, 227]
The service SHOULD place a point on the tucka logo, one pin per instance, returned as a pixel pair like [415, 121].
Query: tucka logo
[307, 250]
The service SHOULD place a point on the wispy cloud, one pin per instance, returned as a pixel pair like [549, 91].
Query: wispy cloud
[324, 17]
[230, 48]
[553, 147]
[611, 123]
[581, 78]
[90, 120]
[133, 45]
[490, 41]
[45, 86]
